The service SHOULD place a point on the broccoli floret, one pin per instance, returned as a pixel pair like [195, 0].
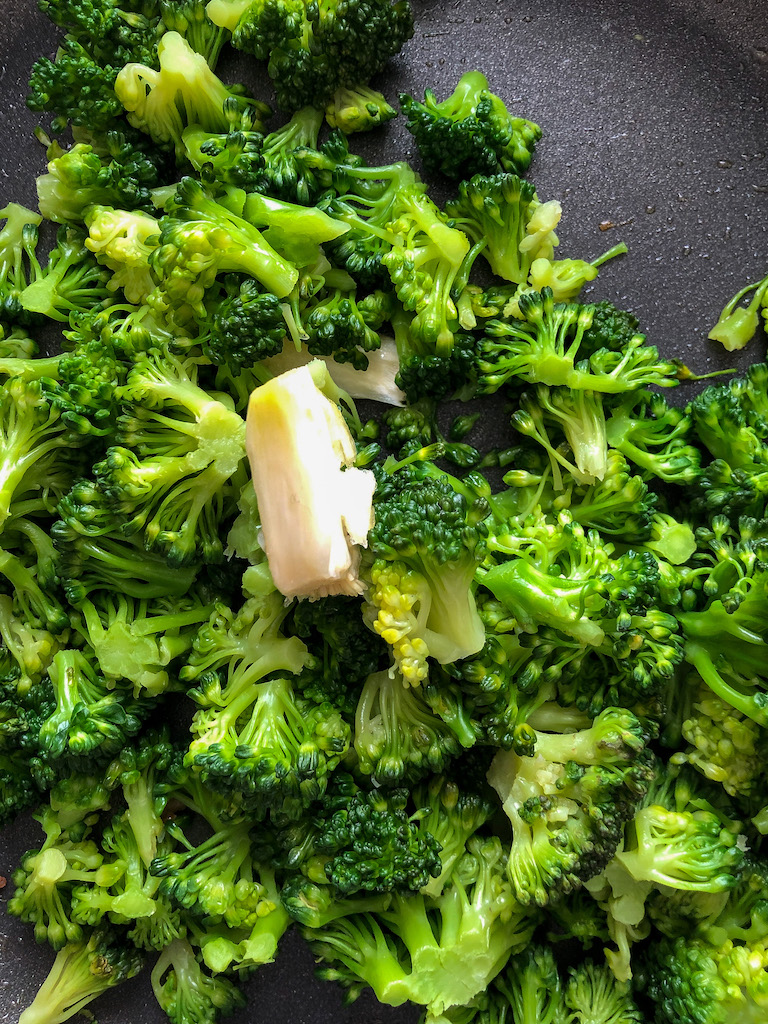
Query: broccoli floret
[470, 132]
[724, 745]
[95, 554]
[656, 437]
[358, 109]
[184, 91]
[285, 173]
[531, 986]
[80, 973]
[214, 879]
[123, 242]
[439, 952]
[343, 651]
[78, 84]
[90, 716]
[233, 158]
[186, 993]
[426, 258]
[499, 211]
[336, 325]
[679, 840]
[72, 281]
[190, 19]
[724, 638]
[425, 546]
[579, 416]
[45, 878]
[569, 801]
[119, 173]
[253, 733]
[545, 347]
[373, 844]
[398, 737]
[177, 450]
[315, 49]
[594, 996]
[738, 324]
[728, 420]
[18, 263]
[691, 980]
[137, 640]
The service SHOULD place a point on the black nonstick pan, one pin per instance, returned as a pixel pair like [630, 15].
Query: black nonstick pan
[655, 131]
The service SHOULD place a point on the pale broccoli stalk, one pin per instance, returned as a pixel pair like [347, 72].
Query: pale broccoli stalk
[315, 508]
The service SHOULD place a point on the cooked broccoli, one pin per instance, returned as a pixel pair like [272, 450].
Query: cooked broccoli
[186, 993]
[425, 546]
[315, 49]
[184, 91]
[81, 972]
[470, 132]
[568, 802]
[738, 324]
[358, 109]
[594, 996]
[545, 347]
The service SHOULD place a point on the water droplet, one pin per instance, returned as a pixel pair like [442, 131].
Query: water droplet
[650, 209]
[725, 164]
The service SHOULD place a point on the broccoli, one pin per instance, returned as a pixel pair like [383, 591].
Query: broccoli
[189, 19]
[81, 972]
[499, 211]
[89, 717]
[358, 109]
[18, 263]
[569, 801]
[594, 996]
[177, 450]
[231, 158]
[71, 282]
[724, 745]
[184, 91]
[137, 640]
[315, 49]
[531, 986]
[439, 952]
[545, 347]
[727, 420]
[373, 844]
[123, 242]
[253, 733]
[655, 437]
[78, 84]
[678, 839]
[336, 325]
[470, 132]
[737, 324]
[425, 546]
[95, 554]
[186, 993]
[118, 173]
[285, 173]
[724, 638]
[343, 652]
[398, 737]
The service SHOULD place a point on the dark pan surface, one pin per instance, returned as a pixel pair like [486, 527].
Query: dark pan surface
[654, 118]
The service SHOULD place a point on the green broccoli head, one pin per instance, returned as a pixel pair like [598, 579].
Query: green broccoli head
[470, 132]
[315, 50]
[81, 972]
[569, 801]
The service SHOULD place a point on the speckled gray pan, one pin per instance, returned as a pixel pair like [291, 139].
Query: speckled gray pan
[655, 121]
